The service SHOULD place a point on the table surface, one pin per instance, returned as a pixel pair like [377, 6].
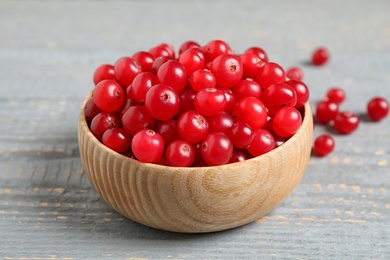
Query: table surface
[48, 52]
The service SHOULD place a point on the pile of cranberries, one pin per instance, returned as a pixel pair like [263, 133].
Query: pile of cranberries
[204, 105]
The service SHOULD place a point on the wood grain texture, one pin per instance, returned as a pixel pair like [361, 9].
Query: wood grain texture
[196, 199]
[48, 52]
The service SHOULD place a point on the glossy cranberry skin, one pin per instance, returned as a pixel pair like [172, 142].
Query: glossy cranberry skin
[141, 85]
[103, 121]
[186, 97]
[286, 121]
[116, 139]
[162, 49]
[168, 130]
[192, 126]
[191, 61]
[323, 145]
[216, 149]
[201, 79]
[145, 60]
[241, 134]
[294, 73]
[104, 71]
[180, 153]
[158, 62]
[270, 73]
[301, 90]
[210, 101]
[147, 146]
[279, 95]
[162, 102]
[125, 70]
[220, 123]
[238, 156]
[251, 63]
[346, 122]
[259, 52]
[136, 118]
[173, 74]
[187, 45]
[230, 100]
[320, 56]
[215, 48]
[326, 111]
[227, 70]
[377, 108]
[91, 110]
[251, 111]
[108, 95]
[336, 95]
[247, 88]
[262, 143]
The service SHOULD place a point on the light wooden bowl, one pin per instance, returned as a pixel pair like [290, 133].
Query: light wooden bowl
[198, 199]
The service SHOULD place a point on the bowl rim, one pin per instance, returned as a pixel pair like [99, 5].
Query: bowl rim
[305, 110]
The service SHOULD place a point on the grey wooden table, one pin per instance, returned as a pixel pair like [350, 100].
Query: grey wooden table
[48, 52]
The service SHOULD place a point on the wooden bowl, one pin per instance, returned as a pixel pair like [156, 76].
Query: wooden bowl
[197, 199]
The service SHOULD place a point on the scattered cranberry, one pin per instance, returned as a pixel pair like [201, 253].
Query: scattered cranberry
[336, 95]
[323, 145]
[320, 56]
[326, 111]
[346, 122]
[377, 108]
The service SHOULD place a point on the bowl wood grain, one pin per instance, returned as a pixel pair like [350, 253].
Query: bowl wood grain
[197, 199]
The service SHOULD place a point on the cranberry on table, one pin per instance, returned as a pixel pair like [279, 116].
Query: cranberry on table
[346, 122]
[377, 108]
[320, 56]
[326, 111]
[323, 145]
[336, 95]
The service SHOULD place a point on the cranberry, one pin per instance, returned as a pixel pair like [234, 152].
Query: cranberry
[147, 146]
[116, 139]
[377, 108]
[259, 52]
[336, 95]
[326, 111]
[210, 101]
[104, 71]
[263, 142]
[201, 79]
[320, 56]
[346, 122]
[215, 48]
[251, 63]
[136, 118]
[220, 123]
[180, 153]
[162, 102]
[216, 149]
[323, 145]
[144, 59]
[125, 70]
[251, 111]
[91, 110]
[246, 88]
[269, 74]
[191, 61]
[103, 121]
[168, 130]
[192, 126]
[301, 90]
[279, 95]
[294, 73]
[286, 121]
[141, 85]
[187, 45]
[108, 95]
[173, 74]
[227, 70]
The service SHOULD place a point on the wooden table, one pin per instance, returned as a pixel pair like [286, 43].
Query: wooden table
[48, 52]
